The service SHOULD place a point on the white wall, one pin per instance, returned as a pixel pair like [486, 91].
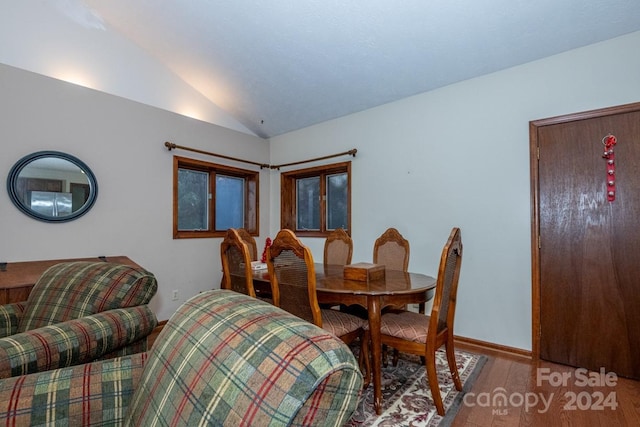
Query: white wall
[123, 143]
[65, 40]
[459, 156]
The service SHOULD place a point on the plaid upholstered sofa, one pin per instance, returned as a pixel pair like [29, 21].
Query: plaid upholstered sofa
[77, 312]
[223, 359]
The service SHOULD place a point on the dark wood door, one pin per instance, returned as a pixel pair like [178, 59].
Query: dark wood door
[588, 247]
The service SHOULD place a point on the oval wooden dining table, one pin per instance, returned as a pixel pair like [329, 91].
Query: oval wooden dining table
[397, 288]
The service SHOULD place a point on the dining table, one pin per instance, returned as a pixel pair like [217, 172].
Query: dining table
[394, 288]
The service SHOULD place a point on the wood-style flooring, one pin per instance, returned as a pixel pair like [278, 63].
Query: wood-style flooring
[558, 395]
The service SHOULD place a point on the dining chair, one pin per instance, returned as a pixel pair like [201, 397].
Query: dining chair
[338, 248]
[236, 264]
[293, 287]
[391, 250]
[251, 243]
[422, 335]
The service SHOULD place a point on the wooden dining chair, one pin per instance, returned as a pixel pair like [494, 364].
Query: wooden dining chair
[391, 250]
[293, 286]
[422, 335]
[236, 264]
[338, 248]
[251, 243]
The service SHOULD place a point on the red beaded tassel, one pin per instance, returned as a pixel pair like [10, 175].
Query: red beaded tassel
[609, 141]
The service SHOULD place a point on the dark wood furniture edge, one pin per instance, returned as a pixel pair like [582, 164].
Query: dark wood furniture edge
[151, 338]
[22, 273]
[18, 278]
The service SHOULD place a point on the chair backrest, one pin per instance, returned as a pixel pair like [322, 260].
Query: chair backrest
[236, 264]
[293, 277]
[391, 250]
[444, 301]
[338, 248]
[225, 359]
[72, 290]
[251, 243]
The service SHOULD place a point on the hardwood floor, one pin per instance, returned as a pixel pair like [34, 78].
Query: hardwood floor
[546, 394]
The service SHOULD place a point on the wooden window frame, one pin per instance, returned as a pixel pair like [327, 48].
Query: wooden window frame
[288, 203]
[251, 205]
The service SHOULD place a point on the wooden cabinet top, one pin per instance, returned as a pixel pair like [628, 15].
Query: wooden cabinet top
[27, 273]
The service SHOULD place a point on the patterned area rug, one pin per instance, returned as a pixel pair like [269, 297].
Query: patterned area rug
[406, 396]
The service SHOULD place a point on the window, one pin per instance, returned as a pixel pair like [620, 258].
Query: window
[208, 199]
[317, 200]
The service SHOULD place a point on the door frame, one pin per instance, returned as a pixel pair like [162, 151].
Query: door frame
[534, 155]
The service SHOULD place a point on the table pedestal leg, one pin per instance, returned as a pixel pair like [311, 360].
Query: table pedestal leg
[376, 350]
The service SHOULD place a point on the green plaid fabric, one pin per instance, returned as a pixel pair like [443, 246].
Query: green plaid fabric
[95, 394]
[76, 341]
[139, 346]
[10, 315]
[226, 359]
[75, 289]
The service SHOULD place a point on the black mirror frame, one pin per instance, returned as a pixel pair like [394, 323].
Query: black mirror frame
[14, 173]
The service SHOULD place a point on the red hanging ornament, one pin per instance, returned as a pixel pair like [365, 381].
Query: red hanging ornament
[609, 141]
[267, 243]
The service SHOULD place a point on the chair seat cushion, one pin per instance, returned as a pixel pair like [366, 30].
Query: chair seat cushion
[404, 324]
[339, 323]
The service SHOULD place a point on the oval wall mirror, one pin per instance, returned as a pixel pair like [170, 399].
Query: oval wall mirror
[52, 186]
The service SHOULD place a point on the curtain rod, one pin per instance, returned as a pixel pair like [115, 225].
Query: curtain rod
[351, 152]
[170, 146]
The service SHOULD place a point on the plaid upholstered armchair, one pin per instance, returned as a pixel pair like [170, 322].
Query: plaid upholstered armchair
[77, 312]
[223, 359]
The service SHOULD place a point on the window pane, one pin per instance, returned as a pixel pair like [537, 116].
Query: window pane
[193, 197]
[308, 203]
[337, 201]
[229, 202]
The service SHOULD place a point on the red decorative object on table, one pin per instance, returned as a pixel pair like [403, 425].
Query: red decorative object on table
[267, 243]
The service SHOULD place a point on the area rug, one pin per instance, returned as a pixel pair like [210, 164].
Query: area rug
[406, 396]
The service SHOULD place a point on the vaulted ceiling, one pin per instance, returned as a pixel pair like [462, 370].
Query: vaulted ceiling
[281, 65]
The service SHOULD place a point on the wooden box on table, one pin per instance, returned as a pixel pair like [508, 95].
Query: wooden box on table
[364, 272]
